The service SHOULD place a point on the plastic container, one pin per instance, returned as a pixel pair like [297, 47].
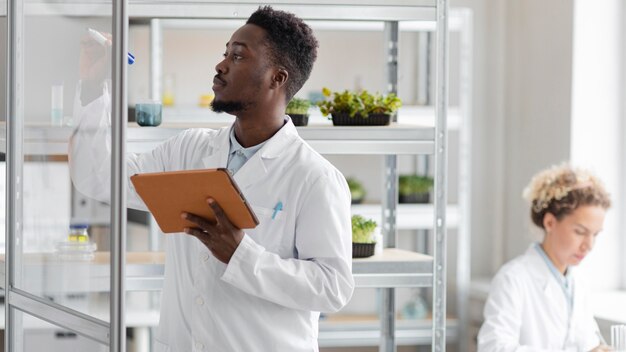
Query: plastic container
[78, 233]
[363, 250]
[78, 246]
[344, 119]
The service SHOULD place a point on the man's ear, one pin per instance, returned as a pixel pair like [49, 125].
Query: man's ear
[279, 78]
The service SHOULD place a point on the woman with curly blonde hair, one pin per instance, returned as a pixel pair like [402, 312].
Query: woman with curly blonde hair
[536, 303]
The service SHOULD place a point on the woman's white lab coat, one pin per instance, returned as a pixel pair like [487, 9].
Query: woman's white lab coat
[285, 271]
[527, 311]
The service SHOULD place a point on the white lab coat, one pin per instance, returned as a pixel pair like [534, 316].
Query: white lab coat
[527, 311]
[284, 272]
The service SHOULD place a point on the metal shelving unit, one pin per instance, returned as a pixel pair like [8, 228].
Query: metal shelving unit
[395, 268]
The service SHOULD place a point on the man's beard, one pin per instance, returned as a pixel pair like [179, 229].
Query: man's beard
[229, 106]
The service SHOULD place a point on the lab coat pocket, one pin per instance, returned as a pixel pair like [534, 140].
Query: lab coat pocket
[270, 232]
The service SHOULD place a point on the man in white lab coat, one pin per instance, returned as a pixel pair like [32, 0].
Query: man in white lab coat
[254, 290]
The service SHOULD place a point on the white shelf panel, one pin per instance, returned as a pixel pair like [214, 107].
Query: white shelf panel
[422, 10]
[410, 216]
[411, 115]
[393, 268]
[326, 139]
[366, 332]
[144, 272]
[414, 134]
[454, 24]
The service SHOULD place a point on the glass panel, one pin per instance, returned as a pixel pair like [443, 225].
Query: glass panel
[62, 252]
[32, 334]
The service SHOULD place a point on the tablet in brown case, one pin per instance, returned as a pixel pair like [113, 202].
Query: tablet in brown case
[168, 194]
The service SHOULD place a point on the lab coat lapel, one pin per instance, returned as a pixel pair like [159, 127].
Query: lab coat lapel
[251, 172]
[542, 275]
[255, 168]
[221, 146]
[577, 308]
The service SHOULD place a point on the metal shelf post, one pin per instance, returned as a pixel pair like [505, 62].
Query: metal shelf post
[388, 306]
[439, 244]
[118, 178]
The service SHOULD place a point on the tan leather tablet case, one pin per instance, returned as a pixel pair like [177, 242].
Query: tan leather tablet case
[168, 194]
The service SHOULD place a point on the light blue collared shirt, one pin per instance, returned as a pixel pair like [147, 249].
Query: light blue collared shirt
[565, 281]
[238, 155]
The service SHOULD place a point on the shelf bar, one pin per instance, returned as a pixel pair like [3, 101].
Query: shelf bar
[399, 139]
[390, 231]
[156, 64]
[439, 243]
[317, 11]
[14, 144]
[463, 268]
[80, 323]
[362, 333]
[119, 117]
[391, 281]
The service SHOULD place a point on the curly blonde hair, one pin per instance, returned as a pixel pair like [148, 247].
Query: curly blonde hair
[561, 189]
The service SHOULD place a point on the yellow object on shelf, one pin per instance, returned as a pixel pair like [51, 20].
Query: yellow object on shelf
[167, 99]
[78, 233]
[205, 100]
[169, 87]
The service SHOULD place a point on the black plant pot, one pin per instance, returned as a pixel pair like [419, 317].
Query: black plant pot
[357, 200]
[341, 119]
[299, 119]
[420, 198]
[363, 250]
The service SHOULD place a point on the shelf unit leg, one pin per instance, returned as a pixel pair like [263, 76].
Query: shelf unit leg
[388, 304]
[439, 245]
[387, 320]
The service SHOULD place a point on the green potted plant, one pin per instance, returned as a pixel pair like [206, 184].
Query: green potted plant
[298, 111]
[414, 189]
[357, 191]
[359, 108]
[363, 237]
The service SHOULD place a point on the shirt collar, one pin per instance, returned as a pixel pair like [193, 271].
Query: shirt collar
[235, 146]
[563, 280]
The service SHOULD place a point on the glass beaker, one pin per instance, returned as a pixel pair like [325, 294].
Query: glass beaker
[148, 113]
[618, 338]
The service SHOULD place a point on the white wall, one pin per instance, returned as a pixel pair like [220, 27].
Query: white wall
[526, 117]
[487, 131]
[522, 79]
[598, 124]
[538, 102]
[191, 56]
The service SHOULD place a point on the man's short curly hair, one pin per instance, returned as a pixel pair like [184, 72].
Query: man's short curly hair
[291, 42]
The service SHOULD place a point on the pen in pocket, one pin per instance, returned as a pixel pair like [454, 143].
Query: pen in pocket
[277, 208]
